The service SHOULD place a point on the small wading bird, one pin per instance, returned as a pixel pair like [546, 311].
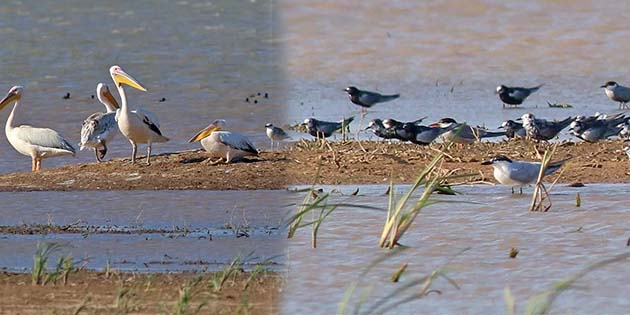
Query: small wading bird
[224, 144]
[541, 129]
[367, 99]
[617, 93]
[139, 126]
[514, 96]
[462, 133]
[519, 173]
[100, 128]
[379, 130]
[593, 129]
[513, 129]
[325, 129]
[38, 143]
[275, 134]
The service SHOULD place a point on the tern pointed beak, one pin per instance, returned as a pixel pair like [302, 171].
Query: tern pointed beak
[121, 77]
[603, 86]
[500, 127]
[205, 132]
[434, 124]
[486, 163]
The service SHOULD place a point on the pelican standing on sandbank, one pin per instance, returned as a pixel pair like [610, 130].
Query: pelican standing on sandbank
[100, 128]
[139, 126]
[38, 143]
[224, 144]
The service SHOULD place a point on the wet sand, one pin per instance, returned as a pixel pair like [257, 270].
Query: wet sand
[122, 293]
[352, 162]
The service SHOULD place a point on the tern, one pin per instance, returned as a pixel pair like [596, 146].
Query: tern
[275, 134]
[38, 143]
[593, 130]
[367, 99]
[519, 173]
[514, 96]
[462, 133]
[541, 129]
[617, 93]
[378, 128]
[513, 129]
[325, 129]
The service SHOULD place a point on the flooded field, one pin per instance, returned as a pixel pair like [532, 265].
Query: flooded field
[489, 222]
[145, 230]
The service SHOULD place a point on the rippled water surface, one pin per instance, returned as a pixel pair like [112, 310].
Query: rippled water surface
[488, 220]
[203, 57]
[446, 58]
[147, 230]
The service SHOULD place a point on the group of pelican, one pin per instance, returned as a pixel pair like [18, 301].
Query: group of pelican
[137, 126]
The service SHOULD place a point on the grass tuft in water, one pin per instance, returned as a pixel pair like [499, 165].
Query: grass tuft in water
[40, 261]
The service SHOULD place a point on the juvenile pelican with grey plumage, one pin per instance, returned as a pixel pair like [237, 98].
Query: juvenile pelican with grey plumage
[519, 173]
[224, 144]
[100, 128]
[38, 143]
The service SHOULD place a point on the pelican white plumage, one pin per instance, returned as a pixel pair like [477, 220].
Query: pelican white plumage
[38, 143]
[224, 144]
[139, 126]
[99, 128]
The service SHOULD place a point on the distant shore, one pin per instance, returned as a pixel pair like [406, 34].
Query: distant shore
[352, 162]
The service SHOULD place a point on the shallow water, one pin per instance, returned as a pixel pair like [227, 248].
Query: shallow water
[204, 57]
[148, 230]
[552, 245]
[446, 58]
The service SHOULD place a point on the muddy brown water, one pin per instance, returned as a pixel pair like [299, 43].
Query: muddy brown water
[552, 246]
[159, 231]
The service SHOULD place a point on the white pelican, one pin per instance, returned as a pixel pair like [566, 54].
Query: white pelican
[100, 128]
[224, 144]
[137, 126]
[38, 143]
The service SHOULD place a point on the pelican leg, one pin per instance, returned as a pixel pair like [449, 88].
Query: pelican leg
[227, 158]
[134, 149]
[38, 164]
[148, 153]
[33, 163]
[512, 190]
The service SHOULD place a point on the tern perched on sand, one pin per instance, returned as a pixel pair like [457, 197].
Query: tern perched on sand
[513, 129]
[325, 129]
[367, 99]
[100, 128]
[617, 93]
[38, 143]
[514, 96]
[519, 173]
[275, 134]
[541, 129]
[377, 127]
[593, 130]
[463, 133]
[224, 144]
